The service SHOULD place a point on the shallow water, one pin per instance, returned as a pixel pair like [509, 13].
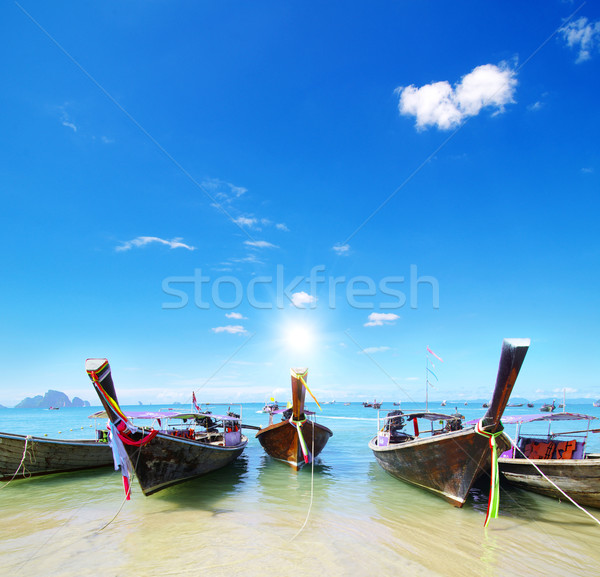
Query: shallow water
[258, 517]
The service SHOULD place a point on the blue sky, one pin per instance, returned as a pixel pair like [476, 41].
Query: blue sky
[209, 193]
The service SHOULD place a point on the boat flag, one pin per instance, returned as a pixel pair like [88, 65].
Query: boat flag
[438, 358]
[196, 407]
[429, 370]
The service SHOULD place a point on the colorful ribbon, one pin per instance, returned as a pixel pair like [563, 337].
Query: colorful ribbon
[309, 392]
[298, 425]
[113, 404]
[494, 498]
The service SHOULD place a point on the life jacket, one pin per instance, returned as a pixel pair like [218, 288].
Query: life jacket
[539, 450]
[565, 449]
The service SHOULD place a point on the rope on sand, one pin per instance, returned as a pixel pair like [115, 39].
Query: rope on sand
[312, 483]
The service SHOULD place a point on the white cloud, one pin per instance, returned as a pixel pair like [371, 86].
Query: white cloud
[565, 389]
[583, 36]
[259, 244]
[341, 249]
[237, 316]
[371, 350]
[379, 319]
[439, 104]
[246, 221]
[70, 125]
[301, 298]
[251, 258]
[231, 329]
[223, 191]
[282, 226]
[144, 240]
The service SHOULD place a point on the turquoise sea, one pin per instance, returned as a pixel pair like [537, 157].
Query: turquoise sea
[345, 516]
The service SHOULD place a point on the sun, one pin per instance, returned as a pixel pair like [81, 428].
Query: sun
[299, 338]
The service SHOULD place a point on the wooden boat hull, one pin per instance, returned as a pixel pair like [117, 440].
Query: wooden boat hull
[578, 478]
[160, 459]
[47, 456]
[166, 461]
[281, 441]
[425, 462]
[448, 462]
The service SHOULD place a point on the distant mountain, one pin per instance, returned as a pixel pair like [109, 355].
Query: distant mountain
[51, 399]
[3, 407]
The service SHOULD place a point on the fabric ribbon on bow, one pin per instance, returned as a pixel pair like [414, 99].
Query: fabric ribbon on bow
[494, 498]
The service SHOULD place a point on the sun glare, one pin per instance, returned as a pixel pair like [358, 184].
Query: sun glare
[299, 338]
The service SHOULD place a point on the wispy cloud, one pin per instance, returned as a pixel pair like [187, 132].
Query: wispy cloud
[141, 241]
[224, 192]
[65, 117]
[371, 350]
[569, 390]
[260, 244]
[237, 316]
[246, 221]
[583, 36]
[231, 329]
[302, 298]
[341, 249]
[251, 258]
[439, 104]
[282, 226]
[379, 319]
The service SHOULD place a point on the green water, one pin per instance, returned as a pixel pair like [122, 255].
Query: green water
[258, 517]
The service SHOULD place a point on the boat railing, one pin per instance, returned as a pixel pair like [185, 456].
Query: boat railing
[385, 433]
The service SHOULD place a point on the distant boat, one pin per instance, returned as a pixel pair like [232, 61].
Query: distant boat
[485, 405]
[53, 408]
[397, 404]
[270, 407]
[596, 403]
[547, 407]
[443, 403]
[168, 454]
[530, 405]
[296, 440]
[376, 405]
[560, 456]
[514, 405]
[447, 461]
[347, 404]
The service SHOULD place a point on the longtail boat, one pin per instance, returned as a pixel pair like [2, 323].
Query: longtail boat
[297, 439]
[448, 460]
[554, 463]
[24, 456]
[167, 454]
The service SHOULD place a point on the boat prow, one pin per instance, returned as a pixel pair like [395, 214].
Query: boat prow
[448, 460]
[164, 453]
[297, 439]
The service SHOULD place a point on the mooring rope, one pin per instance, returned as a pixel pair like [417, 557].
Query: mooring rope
[20, 464]
[550, 481]
[127, 494]
[312, 483]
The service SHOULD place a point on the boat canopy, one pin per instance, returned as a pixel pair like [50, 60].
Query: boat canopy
[165, 415]
[518, 419]
[428, 416]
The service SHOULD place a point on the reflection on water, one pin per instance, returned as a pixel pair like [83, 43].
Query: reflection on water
[244, 520]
